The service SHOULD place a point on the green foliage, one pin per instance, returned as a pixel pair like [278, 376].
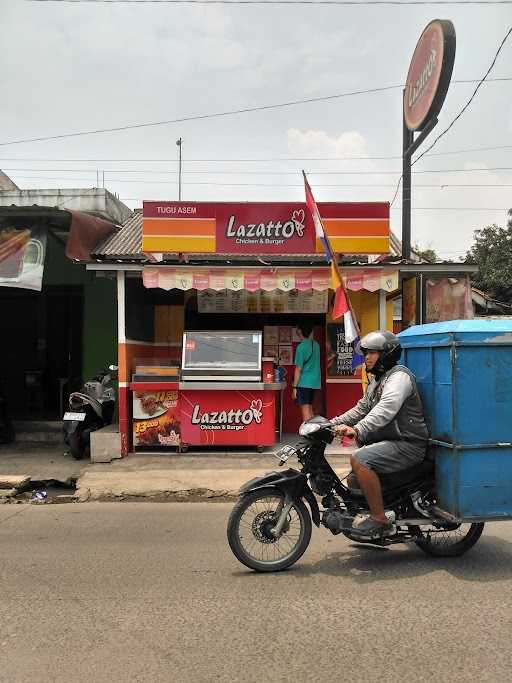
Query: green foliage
[492, 253]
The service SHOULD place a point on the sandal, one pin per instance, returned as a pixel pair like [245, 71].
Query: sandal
[370, 528]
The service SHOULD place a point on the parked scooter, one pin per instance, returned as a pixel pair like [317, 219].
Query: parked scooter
[270, 527]
[89, 410]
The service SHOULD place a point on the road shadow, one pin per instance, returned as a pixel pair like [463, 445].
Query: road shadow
[489, 560]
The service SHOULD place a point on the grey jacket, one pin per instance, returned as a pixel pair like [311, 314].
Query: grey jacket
[391, 409]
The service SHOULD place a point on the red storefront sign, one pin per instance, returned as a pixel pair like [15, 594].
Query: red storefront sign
[228, 418]
[429, 74]
[262, 228]
[273, 228]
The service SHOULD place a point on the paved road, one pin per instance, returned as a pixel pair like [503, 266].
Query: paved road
[149, 592]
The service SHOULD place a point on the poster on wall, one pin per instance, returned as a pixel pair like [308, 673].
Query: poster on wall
[409, 302]
[285, 354]
[271, 351]
[338, 352]
[274, 301]
[448, 299]
[285, 334]
[22, 254]
[270, 334]
[156, 419]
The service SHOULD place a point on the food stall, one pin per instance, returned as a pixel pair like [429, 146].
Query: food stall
[225, 395]
[255, 268]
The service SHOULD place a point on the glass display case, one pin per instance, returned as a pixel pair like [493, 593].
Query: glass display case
[156, 369]
[222, 356]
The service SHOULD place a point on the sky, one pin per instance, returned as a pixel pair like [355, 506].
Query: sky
[83, 66]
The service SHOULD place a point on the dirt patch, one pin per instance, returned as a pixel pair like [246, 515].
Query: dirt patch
[47, 491]
[192, 496]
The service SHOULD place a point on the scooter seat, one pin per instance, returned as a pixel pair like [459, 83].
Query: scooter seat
[396, 480]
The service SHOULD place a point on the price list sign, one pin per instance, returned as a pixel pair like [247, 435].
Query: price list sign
[339, 353]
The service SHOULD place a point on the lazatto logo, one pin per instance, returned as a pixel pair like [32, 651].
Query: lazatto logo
[417, 89]
[269, 232]
[235, 420]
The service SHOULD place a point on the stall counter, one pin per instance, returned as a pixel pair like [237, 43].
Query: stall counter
[194, 413]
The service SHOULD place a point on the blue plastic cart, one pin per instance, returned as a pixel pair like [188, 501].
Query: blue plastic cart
[464, 373]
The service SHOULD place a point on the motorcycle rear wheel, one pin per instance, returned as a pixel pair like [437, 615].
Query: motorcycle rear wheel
[456, 540]
[249, 531]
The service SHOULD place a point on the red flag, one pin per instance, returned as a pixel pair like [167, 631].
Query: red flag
[340, 306]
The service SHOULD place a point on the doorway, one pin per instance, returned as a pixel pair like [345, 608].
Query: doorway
[40, 349]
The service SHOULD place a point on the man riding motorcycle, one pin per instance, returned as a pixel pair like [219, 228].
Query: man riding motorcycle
[388, 424]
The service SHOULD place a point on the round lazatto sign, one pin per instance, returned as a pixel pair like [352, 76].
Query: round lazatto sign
[429, 74]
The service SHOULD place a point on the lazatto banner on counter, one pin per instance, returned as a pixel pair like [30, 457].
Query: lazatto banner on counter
[262, 228]
[226, 418]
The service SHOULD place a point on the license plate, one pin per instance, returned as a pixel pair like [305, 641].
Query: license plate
[285, 452]
[76, 417]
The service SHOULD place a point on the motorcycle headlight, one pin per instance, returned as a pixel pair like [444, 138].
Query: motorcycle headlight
[308, 428]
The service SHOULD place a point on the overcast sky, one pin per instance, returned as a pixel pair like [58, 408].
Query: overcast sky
[77, 67]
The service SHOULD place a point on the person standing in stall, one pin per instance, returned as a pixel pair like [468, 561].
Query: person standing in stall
[307, 376]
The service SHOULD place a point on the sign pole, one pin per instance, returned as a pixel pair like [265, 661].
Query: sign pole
[408, 137]
[410, 145]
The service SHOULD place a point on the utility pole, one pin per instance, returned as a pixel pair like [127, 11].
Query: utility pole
[178, 142]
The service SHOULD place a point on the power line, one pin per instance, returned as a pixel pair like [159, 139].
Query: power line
[200, 117]
[352, 3]
[337, 186]
[452, 208]
[171, 181]
[256, 159]
[457, 117]
[259, 172]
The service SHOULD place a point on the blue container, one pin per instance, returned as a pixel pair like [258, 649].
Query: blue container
[464, 373]
[474, 483]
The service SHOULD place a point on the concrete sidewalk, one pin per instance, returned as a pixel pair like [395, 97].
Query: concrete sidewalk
[39, 461]
[155, 477]
[180, 478]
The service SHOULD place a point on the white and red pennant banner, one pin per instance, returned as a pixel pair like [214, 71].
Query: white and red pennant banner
[318, 279]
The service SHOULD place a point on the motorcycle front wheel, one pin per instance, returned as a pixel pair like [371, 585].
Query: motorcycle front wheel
[449, 540]
[77, 447]
[250, 537]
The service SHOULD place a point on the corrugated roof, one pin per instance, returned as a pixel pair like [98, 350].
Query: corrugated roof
[126, 243]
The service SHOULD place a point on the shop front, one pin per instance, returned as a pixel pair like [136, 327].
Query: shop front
[207, 326]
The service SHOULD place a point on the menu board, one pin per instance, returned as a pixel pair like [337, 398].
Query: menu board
[275, 301]
[338, 353]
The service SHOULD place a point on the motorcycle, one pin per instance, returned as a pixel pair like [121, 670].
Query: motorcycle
[89, 410]
[269, 528]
